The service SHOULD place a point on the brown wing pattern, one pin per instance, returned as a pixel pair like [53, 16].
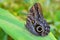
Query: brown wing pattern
[35, 22]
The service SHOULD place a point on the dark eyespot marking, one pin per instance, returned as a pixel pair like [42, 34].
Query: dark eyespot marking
[36, 23]
[38, 28]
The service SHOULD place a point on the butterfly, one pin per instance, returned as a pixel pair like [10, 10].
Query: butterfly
[35, 21]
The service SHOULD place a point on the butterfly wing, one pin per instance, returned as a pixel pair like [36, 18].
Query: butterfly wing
[36, 11]
[35, 19]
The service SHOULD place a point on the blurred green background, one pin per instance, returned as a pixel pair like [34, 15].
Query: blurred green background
[20, 9]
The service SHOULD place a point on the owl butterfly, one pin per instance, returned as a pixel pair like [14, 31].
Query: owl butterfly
[35, 22]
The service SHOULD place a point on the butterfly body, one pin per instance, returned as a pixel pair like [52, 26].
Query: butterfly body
[35, 22]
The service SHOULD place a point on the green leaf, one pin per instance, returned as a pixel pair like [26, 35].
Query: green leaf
[3, 35]
[16, 28]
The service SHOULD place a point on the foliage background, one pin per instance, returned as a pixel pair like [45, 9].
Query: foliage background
[20, 9]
